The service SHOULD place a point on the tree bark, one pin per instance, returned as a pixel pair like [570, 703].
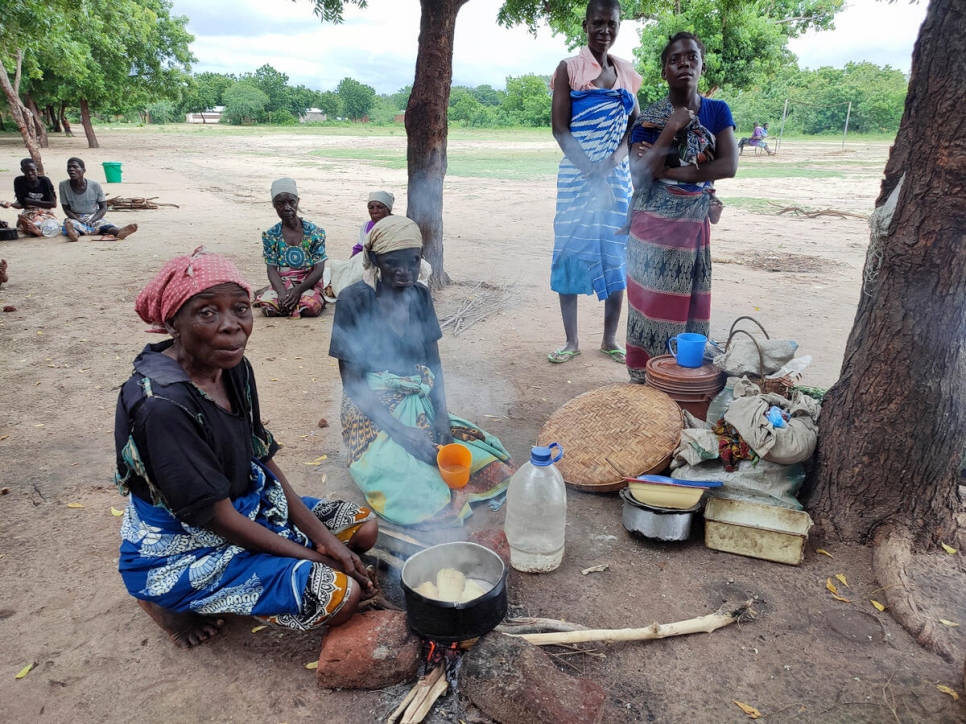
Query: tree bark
[426, 127]
[893, 428]
[63, 120]
[55, 125]
[88, 126]
[38, 120]
[21, 115]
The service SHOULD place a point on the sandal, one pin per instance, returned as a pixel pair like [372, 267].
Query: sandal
[616, 354]
[562, 355]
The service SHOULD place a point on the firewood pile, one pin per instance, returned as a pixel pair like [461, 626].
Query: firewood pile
[134, 203]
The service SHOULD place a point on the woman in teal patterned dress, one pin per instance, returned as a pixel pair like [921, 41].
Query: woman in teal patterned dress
[294, 252]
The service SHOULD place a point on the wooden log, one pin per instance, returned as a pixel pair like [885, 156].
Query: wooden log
[419, 708]
[416, 694]
[701, 624]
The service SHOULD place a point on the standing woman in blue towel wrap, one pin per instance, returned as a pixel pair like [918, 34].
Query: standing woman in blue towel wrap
[594, 107]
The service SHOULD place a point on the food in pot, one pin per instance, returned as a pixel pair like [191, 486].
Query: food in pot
[451, 586]
[428, 589]
[450, 583]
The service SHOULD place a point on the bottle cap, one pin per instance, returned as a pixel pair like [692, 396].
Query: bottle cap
[544, 456]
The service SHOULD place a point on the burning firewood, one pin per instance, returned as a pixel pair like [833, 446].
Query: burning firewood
[416, 704]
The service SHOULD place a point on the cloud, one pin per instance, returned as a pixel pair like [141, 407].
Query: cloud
[377, 45]
[867, 30]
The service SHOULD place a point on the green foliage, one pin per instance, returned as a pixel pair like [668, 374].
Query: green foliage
[245, 103]
[745, 40]
[331, 10]
[818, 100]
[329, 102]
[273, 84]
[282, 117]
[357, 98]
[400, 98]
[163, 112]
[527, 101]
[119, 55]
[204, 91]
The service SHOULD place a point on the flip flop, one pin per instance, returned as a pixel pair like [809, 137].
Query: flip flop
[616, 354]
[562, 355]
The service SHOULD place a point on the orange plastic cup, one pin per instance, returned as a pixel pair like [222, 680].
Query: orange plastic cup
[454, 462]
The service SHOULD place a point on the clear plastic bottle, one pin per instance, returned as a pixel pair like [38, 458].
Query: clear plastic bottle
[536, 512]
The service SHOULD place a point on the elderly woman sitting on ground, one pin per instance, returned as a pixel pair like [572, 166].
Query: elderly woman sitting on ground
[212, 526]
[394, 413]
[379, 207]
[294, 251]
[85, 204]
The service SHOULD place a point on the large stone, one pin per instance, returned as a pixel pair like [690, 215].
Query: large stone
[371, 651]
[513, 681]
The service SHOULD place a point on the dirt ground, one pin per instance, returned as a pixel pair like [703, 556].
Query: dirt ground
[70, 342]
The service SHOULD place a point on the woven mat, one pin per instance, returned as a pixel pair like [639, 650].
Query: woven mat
[633, 428]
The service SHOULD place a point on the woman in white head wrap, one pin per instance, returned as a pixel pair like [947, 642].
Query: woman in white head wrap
[379, 206]
[294, 251]
[385, 334]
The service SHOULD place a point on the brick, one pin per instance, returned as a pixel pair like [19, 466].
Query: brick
[372, 650]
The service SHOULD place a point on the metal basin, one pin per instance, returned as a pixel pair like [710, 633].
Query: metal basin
[653, 522]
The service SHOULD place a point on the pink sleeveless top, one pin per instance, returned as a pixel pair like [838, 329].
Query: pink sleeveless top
[583, 69]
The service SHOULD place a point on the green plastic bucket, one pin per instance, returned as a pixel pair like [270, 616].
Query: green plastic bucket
[112, 171]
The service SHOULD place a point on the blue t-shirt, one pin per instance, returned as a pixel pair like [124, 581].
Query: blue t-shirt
[713, 115]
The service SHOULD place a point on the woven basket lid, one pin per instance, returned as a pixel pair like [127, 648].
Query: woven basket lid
[633, 428]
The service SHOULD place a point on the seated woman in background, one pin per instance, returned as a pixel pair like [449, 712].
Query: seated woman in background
[212, 526]
[379, 206]
[394, 413]
[85, 204]
[294, 251]
[35, 195]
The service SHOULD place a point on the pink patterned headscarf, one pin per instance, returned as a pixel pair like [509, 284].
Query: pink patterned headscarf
[179, 280]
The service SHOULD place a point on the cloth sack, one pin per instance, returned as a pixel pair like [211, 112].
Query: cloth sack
[741, 357]
[786, 445]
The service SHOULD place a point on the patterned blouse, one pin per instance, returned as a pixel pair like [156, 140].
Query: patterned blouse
[305, 255]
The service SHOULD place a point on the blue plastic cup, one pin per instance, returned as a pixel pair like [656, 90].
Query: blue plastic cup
[689, 349]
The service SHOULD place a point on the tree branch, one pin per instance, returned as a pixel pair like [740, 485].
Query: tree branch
[16, 77]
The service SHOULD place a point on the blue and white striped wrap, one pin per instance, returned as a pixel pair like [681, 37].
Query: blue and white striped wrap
[589, 235]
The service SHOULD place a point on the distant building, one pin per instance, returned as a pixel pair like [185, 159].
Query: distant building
[212, 115]
[313, 115]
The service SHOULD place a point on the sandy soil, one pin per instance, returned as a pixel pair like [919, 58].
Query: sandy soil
[69, 345]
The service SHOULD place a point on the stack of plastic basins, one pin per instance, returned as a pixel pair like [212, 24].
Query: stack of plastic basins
[692, 388]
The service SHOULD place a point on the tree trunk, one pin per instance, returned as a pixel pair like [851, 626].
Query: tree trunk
[63, 120]
[88, 126]
[54, 120]
[38, 121]
[893, 428]
[426, 127]
[21, 116]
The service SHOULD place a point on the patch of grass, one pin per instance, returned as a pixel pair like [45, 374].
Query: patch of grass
[482, 163]
[784, 170]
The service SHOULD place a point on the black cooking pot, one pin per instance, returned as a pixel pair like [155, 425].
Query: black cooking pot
[447, 622]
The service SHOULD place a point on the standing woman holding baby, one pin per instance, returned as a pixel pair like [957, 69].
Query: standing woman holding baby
[680, 145]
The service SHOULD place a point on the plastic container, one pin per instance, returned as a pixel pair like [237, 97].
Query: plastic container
[688, 349]
[454, 462]
[536, 512]
[112, 171]
[775, 417]
[692, 388]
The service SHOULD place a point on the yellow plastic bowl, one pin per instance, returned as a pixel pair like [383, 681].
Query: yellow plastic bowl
[665, 496]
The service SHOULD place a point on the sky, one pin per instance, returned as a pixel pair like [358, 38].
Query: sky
[377, 46]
